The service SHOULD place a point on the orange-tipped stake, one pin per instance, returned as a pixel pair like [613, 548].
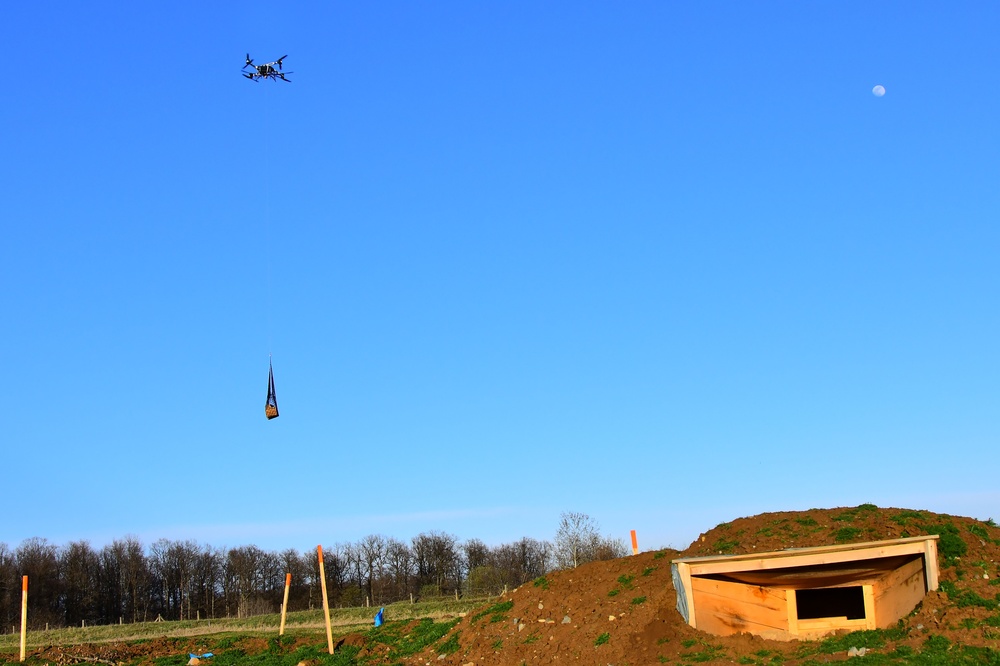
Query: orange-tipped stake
[284, 604]
[24, 615]
[326, 602]
[635, 544]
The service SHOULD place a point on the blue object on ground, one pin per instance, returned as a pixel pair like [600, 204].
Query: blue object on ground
[380, 617]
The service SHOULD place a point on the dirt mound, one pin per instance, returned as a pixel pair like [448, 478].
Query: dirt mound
[623, 611]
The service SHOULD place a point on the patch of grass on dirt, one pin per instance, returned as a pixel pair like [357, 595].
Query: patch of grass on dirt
[966, 598]
[614, 593]
[904, 518]
[496, 611]
[846, 534]
[648, 570]
[950, 544]
[872, 639]
[425, 633]
[708, 653]
[498, 644]
[626, 581]
[726, 545]
[638, 600]
[808, 521]
[602, 639]
[660, 555]
[531, 639]
[541, 582]
[979, 531]
[451, 645]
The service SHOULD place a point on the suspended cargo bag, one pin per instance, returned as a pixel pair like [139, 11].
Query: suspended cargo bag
[271, 406]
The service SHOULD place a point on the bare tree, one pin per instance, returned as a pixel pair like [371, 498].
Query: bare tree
[477, 554]
[9, 603]
[399, 569]
[79, 570]
[576, 539]
[437, 560]
[38, 559]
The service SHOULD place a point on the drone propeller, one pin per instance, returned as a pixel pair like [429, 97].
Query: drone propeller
[280, 59]
[249, 62]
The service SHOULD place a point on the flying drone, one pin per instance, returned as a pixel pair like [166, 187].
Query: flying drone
[266, 71]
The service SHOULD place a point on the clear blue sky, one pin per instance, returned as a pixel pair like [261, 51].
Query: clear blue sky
[664, 263]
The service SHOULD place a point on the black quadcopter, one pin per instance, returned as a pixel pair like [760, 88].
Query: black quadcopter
[266, 71]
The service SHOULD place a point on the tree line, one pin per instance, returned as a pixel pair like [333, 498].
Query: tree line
[127, 581]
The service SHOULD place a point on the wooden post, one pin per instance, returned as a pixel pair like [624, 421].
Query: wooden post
[635, 544]
[24, 615]
[326, 602]
[284, 604]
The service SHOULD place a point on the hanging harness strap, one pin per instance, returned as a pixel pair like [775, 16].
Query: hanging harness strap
[271, 406]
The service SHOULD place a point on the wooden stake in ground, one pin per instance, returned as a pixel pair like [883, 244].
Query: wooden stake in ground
[24, 615]
[284, 604]
[326, 602]
[635, 544]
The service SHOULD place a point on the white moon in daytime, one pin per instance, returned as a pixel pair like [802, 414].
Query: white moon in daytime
[878, 90]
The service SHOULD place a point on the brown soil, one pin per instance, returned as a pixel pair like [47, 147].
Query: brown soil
[589, 616]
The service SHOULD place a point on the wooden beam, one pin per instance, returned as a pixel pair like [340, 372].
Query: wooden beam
[931, 564]
[806, 557]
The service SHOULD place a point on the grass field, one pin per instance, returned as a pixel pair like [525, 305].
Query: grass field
[344, 620]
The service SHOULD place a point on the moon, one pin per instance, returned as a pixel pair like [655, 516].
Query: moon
[878, 90]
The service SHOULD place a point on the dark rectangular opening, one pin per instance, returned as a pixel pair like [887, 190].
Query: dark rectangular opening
[846, 602]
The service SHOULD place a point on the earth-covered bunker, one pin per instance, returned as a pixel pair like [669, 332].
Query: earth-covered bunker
[806, 593]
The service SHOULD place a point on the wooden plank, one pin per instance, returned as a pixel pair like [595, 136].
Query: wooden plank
[899, 592]
[931, 565]
[792, 602]
[685, 594]
[869, 593]
[812, 549]
[724, 607]
[810, 629]
[787, 559]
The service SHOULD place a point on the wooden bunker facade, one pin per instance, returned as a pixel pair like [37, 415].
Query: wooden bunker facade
[806, 593]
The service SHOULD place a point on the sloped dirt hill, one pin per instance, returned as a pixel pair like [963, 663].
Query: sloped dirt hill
[623, 611]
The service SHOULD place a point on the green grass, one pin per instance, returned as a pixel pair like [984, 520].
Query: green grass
[541, 582]
[966, 598]
[602, 639]
[659, 555]
[726, 545]
[870, 638]
[638, 600]
[979, 531]
[222, 634]
[846, 534]
[950, 544]
[626, 581]
[496, 612]
[904, 518]
[425, 633]
[808, 521]
[648, 570]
